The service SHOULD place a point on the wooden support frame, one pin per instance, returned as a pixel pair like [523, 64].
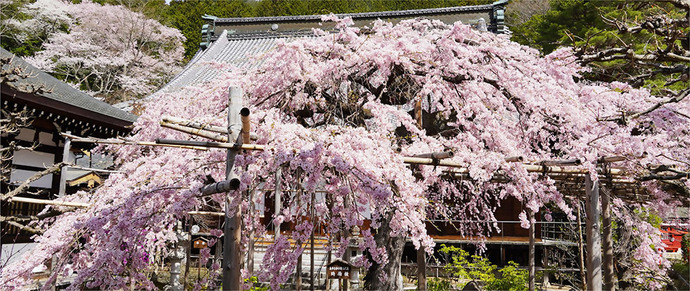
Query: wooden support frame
[531, 265]
[594, 280]
[232, 255]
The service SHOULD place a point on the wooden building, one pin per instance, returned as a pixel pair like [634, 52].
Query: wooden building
[51, 107]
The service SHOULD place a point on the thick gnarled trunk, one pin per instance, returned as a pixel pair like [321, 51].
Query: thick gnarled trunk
[391, 269]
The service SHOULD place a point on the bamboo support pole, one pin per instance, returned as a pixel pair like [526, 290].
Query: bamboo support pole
[195, 124]
[199, 132]
[48, 202]
[128, 142]
[84, 205]
[436, 155]
[190, 127]
[571, 162]
[514, 159]
[209, 144]
[209, 213]
[246, 125]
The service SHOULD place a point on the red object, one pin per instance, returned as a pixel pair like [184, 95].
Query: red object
[672, 238]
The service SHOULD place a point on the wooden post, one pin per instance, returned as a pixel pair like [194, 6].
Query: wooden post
[503, 255]
[63, 171]
[594, 281]
[421, 269]
[580, 246]
[188, 260]
[276, 226]
[232, 257]
[545, 265]
[198, 271]
[311, 255]
[328, 259]
[298, 279]
[531, 263]
[609, 275]
[250, 250]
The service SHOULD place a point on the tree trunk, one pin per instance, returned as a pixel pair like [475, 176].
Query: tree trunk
[391, 270]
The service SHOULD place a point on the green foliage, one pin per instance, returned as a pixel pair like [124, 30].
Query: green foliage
[435, 284]
[594, 27]
[479, 268]
[565, 19]
[512, 278]
[474, 268]
[253, 280]
[186, 16]
[312, 7]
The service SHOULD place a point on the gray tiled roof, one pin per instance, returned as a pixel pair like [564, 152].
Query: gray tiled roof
[61, 91]
[237, 52]
[237, 41]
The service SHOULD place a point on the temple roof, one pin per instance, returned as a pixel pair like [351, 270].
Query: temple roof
[229, 43]
[58, 101]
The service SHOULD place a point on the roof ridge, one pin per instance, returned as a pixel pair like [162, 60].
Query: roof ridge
[362, 15]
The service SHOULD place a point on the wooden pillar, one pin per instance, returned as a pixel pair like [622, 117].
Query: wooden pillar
[188, 247]
[607, 246]
[298, 279]
[65, 168]
[594, 281]
[421, 269]
[276, 226]
[250, 246]
[311, 247]
[545, 265]
[531, 263]
[328, 261]
[232, 257]
[580, 246]
[503, 255]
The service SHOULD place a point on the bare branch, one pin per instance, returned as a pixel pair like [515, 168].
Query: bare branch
[24, 227]
[674, 99]
[25, 184]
